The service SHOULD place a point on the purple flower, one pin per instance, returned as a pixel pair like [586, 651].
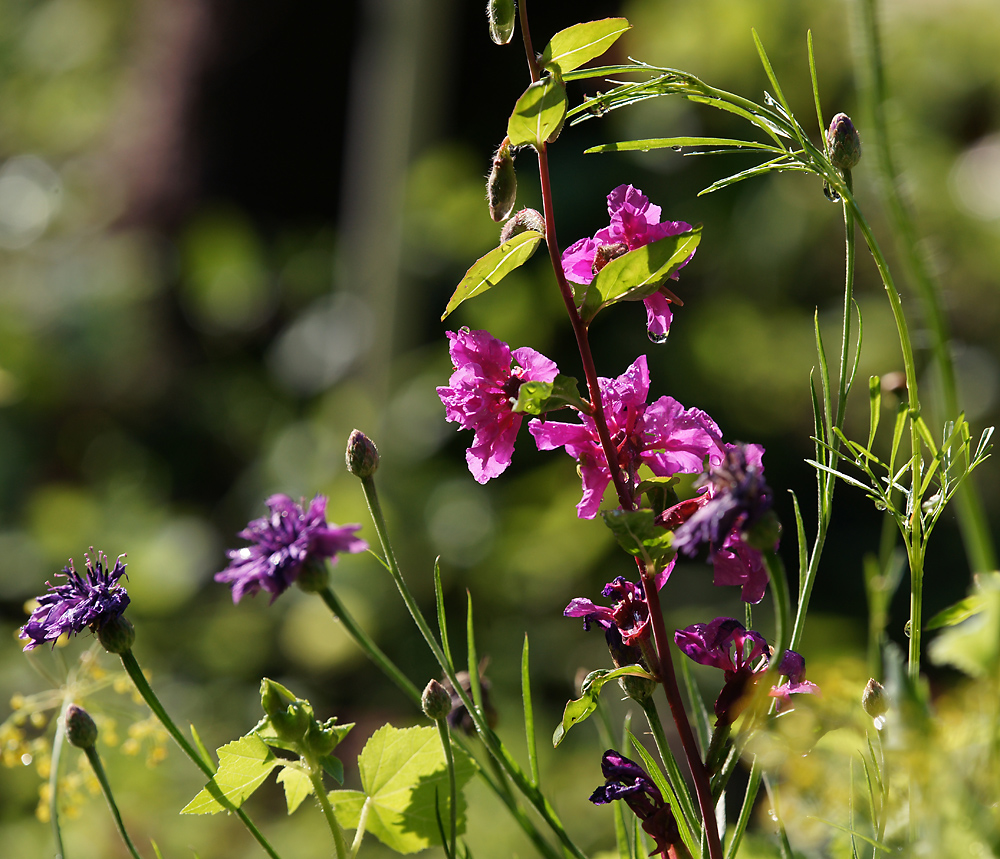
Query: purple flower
[744, 656]
[634, 222]
[481, 392]
[282, 543]
[662, 435]
[627, 781]
[93, 600]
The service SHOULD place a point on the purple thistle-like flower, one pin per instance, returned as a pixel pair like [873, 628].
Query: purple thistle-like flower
[93, 599]
[634, 222]
[481, 392]
[282, 543]
[744, 656]
[662, 435]
[627, 781]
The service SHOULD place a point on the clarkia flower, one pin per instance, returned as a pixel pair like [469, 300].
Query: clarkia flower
[627, 781]
[481, 392]
[282, 543]
[744, 656]
[634, 222]
[92, 599]
[663, 435]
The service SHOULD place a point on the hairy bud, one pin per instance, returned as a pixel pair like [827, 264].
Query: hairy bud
[843, 142]
[81, 730]
[117, 634]
[875, 701]
[362, 455]
[436, 701]
[501, 17]
[501, 186]
[526, 219]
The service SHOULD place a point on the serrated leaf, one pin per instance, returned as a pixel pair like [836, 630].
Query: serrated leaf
[403, 776]
[539, 113]
[489, 270]
[243, 766]
[638, 534]
[638, 273]
[297, 786]
[536, 398]
[580, 709]
[571, 48]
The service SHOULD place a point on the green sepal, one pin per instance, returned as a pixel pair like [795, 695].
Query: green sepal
[539, 113]
[489, 270]
[637, 274]
[580, 709]
[571, 48]
[638, 534]
[333, 767]
[536, 398]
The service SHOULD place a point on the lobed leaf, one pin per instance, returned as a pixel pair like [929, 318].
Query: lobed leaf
[297, 786]
[243, 766]
[487, 271]
[571, 48]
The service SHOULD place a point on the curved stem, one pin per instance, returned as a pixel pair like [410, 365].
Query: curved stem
[316, 777]
[98, 768]
[145, 690]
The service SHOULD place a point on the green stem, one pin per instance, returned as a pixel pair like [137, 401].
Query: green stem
[362, 827]
[676, 778]
[370, 648]
[490, 740]
[57, 747]
[95, 763]
[145, 690]
[449, 758]
[748, 800]
[339, 842]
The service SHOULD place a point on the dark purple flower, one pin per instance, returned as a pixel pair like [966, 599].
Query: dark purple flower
[634, 222]
[93, 600]
[744, 657]
[481, 392]
[627, 781]
[282, 543]
[662, 435]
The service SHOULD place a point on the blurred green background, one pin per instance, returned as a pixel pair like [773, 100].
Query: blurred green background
[227, 232]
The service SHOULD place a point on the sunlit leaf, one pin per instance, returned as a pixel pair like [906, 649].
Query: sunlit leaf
[243, 766]
[962, 610]
[678, 142]
[576, 45]
[638, 534]
[297, 786]
[535, 398]
[489, 270]
[580, 709]
[539, 113]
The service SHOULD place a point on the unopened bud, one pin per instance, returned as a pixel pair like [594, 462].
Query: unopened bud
[843, 142]
[435, 701]
[639, 689]
[875, 701]
[501, 186]
[526, 219]
[81, 730]
[117, 635]
[362, 455]
[272, 702]
[500, 14]
[764, 533]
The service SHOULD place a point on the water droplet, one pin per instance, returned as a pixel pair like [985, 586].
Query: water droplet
[906, 629]
[879, 722]
[26, 759]
[831, 195]
[657, 338]
[880, 505]
[772, 815]
[677, 148]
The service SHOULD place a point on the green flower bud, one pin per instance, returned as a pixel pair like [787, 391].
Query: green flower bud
[843, 142]
[81, 729]
[526, 219]
[272, 702]
[501, 186]
[116, 635]
[501, 17]
[362, 455]
[435, 701]
[875, 701]
[765, 532]
[314, 575]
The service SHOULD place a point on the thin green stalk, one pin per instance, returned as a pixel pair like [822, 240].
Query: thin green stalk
[362, 827]
[145, 690]
[370, 648]
[449, 758]
[493, 744]
[340, 843]
[57, 747]
[98, 768]
[747, 808]
[676, 777]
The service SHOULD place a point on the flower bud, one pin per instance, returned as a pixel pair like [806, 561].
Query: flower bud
[639, 689]
[314, 575]
[526, 219]
[764, 533]
[272, 702]
[843, 142]
[500, 14]
[435, 701]
[116, 634]
[501, 186]
[362, 455]
[81, 730]
[875, 701]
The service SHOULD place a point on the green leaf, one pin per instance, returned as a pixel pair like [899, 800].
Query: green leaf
[539, 113]
[962, 610]
[638, 534]
[576, 45]
[580, 709]
[297, 786]
[535, 398]
[874, 407]
[333, 767]
[403, 775]
[529, 714]
[243, 766]
[638, 273]
[489, 270]
[677, 143]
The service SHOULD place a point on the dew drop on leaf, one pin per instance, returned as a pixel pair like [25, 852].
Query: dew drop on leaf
[906, 629]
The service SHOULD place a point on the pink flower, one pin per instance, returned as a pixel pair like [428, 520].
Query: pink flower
[634, 222]
[662, 435]
[481, 392]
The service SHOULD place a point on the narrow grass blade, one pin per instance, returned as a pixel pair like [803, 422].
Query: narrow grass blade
[442, 620]
[529, 714]
[815, 82]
